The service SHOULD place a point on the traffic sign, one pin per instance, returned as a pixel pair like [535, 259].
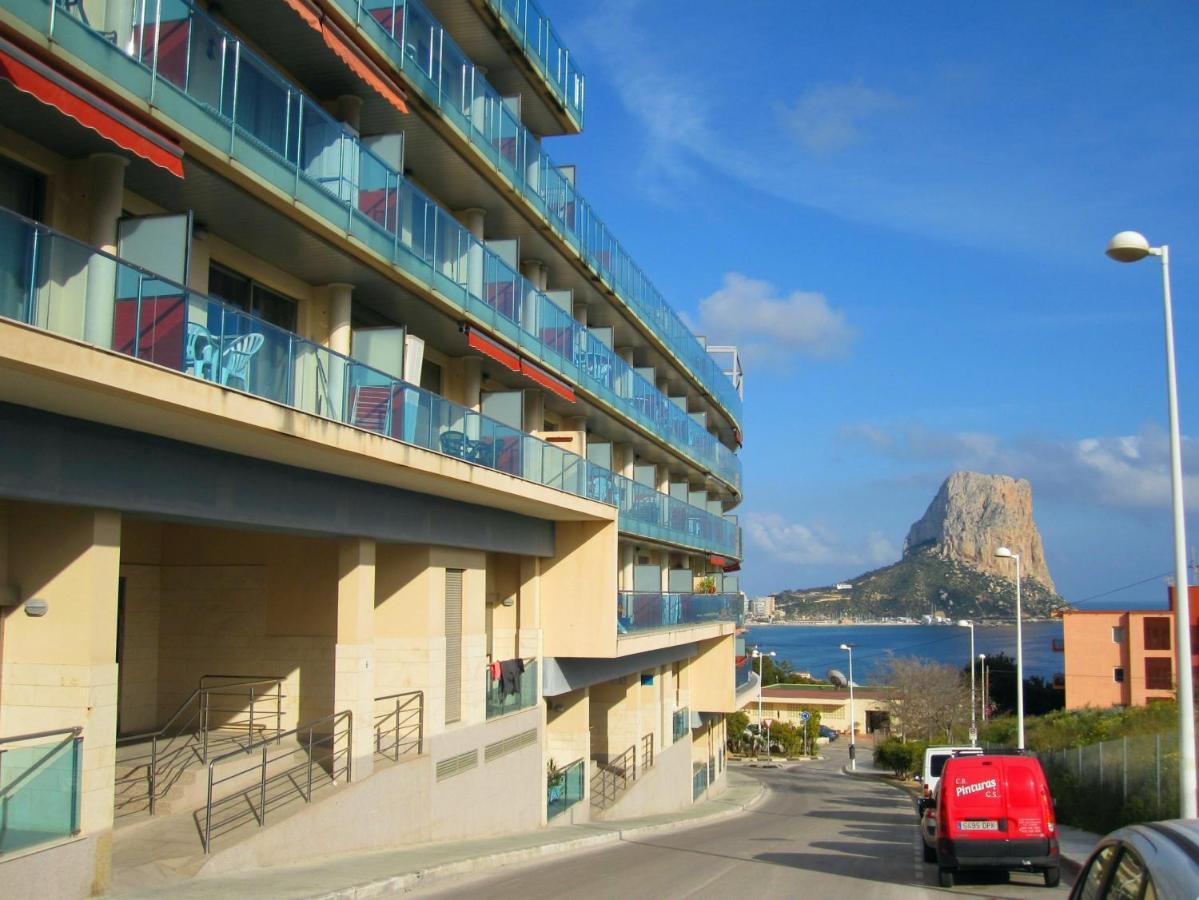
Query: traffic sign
[803, 716]
[973, 734]
[768, 722]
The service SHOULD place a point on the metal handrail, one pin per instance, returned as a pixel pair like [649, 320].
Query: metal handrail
[286, 777]
[647, 751]
[168, 759]
[614, 774]
[401, 726]
[75, 730]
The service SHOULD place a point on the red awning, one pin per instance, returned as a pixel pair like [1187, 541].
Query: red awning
[358, 62]
[52, 88]
[719, 561]
[733, 567]
[546, 380]
[488, 347]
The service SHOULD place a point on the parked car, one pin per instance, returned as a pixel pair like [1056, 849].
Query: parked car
[934, 761]
[991, 812]
[826, 732]
[1158, 860]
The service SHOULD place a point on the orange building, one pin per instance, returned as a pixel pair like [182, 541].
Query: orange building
[1122, 657]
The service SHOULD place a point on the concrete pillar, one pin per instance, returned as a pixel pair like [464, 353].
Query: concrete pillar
[534, 415]
[628, 557]
[622, 459]
[580, 312]
[662, 478]
[354, 653]
[105, 193]
[348, 108]
[536, 271]
[340, 334]
[472, 382]
[59, 670]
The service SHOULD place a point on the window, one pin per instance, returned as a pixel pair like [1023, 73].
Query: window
[1118, 674]
[430, 377]
[238, 290]
[1091, 880]
[1117, 634]
[1128, 879]
[21, 189]
[1157, 633]
[1159, 673]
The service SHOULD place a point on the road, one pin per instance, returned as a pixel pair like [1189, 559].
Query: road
[816, 833]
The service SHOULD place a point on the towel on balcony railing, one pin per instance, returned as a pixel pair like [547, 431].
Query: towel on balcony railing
[511, 671]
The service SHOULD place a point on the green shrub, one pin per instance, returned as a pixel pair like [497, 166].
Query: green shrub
[902, 757]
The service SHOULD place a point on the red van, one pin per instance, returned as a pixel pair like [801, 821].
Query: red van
[991, 812]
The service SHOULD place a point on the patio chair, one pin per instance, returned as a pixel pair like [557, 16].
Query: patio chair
[199, 356]
[235, 359]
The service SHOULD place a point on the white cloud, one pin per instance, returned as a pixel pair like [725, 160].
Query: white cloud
[771, 329]
[812, 545]
[828, 118]
[1125, 472]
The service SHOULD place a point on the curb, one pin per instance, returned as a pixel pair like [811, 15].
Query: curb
[407, 881]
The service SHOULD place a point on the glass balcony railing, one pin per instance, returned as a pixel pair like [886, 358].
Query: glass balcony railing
[699, 779]
[40, 780]
[61, 285]
[209, 82]
[637, 612]
[533, 31]
[511, 692]
[564, 788]
[681, 724]
[417, 44]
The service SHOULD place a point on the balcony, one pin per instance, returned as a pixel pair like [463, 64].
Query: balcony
[532, 30]
[236, 102]
[55, 283]
[511, 693]
[418, 45]
[639, 612]
[564, 787]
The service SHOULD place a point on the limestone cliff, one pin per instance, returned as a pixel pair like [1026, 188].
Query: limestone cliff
[974, 514]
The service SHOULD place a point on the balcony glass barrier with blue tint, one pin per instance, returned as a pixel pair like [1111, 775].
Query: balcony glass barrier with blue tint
[39, 788]
[681, 724]
[416, 43]
[566, 790]
[535, 33]
[207, 80]
[638, 611]
[506, 694]
[699, 779]
[61, 285]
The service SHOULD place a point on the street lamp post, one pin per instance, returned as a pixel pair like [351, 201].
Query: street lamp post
[1129, 246]
[853, 743]
[1005, 553]
[965, 623]
[982, 658]
[761, 665]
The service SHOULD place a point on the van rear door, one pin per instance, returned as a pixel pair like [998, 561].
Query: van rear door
[1027, 800]
[974, 798]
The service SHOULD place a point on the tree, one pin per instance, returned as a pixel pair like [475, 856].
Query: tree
[735, 726]
[1040, 696]
[925, 700]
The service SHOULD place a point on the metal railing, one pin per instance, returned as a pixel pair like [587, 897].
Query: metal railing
[210, 718]
[645, 611]
[647, 751]
[400, 724]
[40, 786]
[320, 757]
[612, 778]
[505, 697]
[566, 790]
[699, 779]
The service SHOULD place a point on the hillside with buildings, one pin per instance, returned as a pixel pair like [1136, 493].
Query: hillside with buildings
[949, 568]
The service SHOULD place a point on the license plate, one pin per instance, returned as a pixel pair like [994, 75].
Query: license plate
[980, 825]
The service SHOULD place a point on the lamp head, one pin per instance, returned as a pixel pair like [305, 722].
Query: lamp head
[965, 623]
[982, 656]
[1128, 246]
[1004, 553]
[846, 647]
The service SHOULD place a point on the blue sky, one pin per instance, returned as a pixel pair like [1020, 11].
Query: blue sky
[899, 212]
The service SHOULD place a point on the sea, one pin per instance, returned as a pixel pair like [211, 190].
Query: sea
[815, 648]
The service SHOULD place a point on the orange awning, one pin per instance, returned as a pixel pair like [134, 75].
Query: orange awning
[488, 347]
[52, 88]
[341, 45]
[546, 380]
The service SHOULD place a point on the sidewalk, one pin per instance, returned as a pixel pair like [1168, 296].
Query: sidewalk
[395, 871]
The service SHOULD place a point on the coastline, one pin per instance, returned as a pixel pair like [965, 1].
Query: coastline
[825, 623]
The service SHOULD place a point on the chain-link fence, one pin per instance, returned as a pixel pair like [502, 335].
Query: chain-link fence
[1103, 786]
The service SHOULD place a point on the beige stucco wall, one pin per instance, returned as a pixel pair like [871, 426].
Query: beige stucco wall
[713, 674]
[578, 591]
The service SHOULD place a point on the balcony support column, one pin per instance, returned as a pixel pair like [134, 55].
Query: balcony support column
[340, 305]
[534, 412]
[623, 459]
[535, 272]
[354, 653]
[105, 193]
